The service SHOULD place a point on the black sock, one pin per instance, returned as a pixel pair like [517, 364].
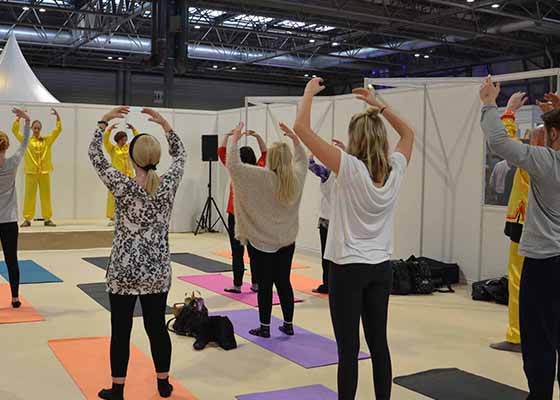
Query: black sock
[287, 328]
[263, 331]
[115, 393]
[16, 304]
[164, 387]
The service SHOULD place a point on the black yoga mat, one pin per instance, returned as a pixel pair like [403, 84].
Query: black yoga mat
[200, 263]
[187, 259]
[455, 384]
[98, 292]
[100, 262]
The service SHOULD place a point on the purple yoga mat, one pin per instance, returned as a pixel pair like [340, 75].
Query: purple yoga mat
[217, 282]
[314, 392]
[304, 348]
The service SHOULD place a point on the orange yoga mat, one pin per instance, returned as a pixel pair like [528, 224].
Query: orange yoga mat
[305, 284]
[87, 362]
[227, 254]
[9, 315]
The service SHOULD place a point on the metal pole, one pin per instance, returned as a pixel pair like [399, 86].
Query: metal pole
[424, 153]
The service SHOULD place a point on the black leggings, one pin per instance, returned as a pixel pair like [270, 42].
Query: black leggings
[153, 309]
[9, 239]
[238, 252]
[361, 290]
[274, 269]
[323, 232]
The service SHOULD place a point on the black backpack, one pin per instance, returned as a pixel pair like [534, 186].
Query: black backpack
[443, 274]
[216, 329]
[421, 276]
[190, 316]
[402, 283]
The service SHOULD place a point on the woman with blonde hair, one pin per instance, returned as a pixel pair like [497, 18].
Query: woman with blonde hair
[9, 230]
[361, 227]
[139, 265]
[266, 205]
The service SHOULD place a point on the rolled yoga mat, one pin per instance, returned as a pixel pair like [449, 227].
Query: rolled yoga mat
[87, 362]
[217, 282]
[98, 292]
[305, 348]
[313, 392]
[455, 384]
[9, 315]
[30, 272]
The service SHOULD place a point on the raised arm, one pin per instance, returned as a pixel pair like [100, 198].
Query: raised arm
[114, 180]
[318, 170]
[133, 129]
[174, 174]
[325, 152]
[16, 158]
[260, 140]
[16, 130]
[406, 143]
[57, 130]
[222, 149]
[535, 160]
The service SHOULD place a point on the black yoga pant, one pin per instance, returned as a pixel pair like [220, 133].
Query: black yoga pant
[238, 252]
[361, 290]
[153, 309]
[323, 232]
[9, 240]
[539, 313]
[274, 269]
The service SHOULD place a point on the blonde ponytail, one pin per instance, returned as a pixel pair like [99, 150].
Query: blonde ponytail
[279, 160]
[146, 154]
[4, 141]
[368, 142]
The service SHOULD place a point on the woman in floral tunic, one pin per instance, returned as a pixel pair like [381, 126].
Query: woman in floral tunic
[139, 265]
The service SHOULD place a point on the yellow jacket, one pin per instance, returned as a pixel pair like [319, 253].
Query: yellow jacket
[38, 156]
[119, 155]
[519, 197]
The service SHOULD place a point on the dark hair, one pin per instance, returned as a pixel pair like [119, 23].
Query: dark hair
[119, 135]
[552, 120]
[38, 122]
[248, 155]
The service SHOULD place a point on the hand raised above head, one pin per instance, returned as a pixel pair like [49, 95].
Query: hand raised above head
[554, 99]
[21, 114]
[237, 132]
[157, 118]
[516, 101]
[315, 86]
[368, 96]
[489, 91]
[545, 106]
[116, 113]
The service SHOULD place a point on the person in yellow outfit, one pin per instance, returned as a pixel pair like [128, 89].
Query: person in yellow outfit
[38, 167]
[515, 218]
[120, 159]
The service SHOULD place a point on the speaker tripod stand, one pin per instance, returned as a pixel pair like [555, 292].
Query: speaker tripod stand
[205, 223]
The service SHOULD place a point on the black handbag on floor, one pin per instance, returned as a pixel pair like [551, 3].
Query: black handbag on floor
[189, 316]
[496, 290]
[443, 274]
[421, 277]
[216, 329]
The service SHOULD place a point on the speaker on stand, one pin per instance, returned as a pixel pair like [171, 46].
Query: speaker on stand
[209, 154]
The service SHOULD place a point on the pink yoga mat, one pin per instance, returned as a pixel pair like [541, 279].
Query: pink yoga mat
[217, 282]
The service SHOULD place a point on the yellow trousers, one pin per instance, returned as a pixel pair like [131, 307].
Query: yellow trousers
[514, 275]
[110, 206]
[43, 181]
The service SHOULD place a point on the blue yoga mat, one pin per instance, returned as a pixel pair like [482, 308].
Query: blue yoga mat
[30, 272]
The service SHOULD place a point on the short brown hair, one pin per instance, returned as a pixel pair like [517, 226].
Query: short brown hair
[119, 135]
[552, 120]
[4, 141]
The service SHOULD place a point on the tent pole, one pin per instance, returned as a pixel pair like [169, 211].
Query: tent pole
[424, 152]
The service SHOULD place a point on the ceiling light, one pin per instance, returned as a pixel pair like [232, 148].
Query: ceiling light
[215, 66]
[42, 10]
[233, 68]
[335, 44]
[470, 1]
[311, 40]
[120, 58]
[109, 58]
[26, 8]
[197, 27]
[314, 76]
[426, 56]
[417, 55]
[306, 75]
[495, 5]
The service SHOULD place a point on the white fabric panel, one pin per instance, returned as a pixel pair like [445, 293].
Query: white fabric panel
[495, 246]
[453, 192]
[193, 192]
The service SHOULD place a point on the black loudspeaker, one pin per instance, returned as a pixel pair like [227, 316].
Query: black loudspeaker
[209, 147]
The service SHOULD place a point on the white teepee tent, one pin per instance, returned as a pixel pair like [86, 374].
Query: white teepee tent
[18, 83]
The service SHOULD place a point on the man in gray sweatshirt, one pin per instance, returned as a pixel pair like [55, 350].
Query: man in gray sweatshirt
[539, 303]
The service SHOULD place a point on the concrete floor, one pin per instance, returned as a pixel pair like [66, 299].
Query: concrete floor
[440, 331]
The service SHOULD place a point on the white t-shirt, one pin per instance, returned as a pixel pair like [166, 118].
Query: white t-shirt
[362, 215]
[326, 194]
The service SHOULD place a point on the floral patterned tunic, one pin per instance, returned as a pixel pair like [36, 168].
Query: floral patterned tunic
[139, 262]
